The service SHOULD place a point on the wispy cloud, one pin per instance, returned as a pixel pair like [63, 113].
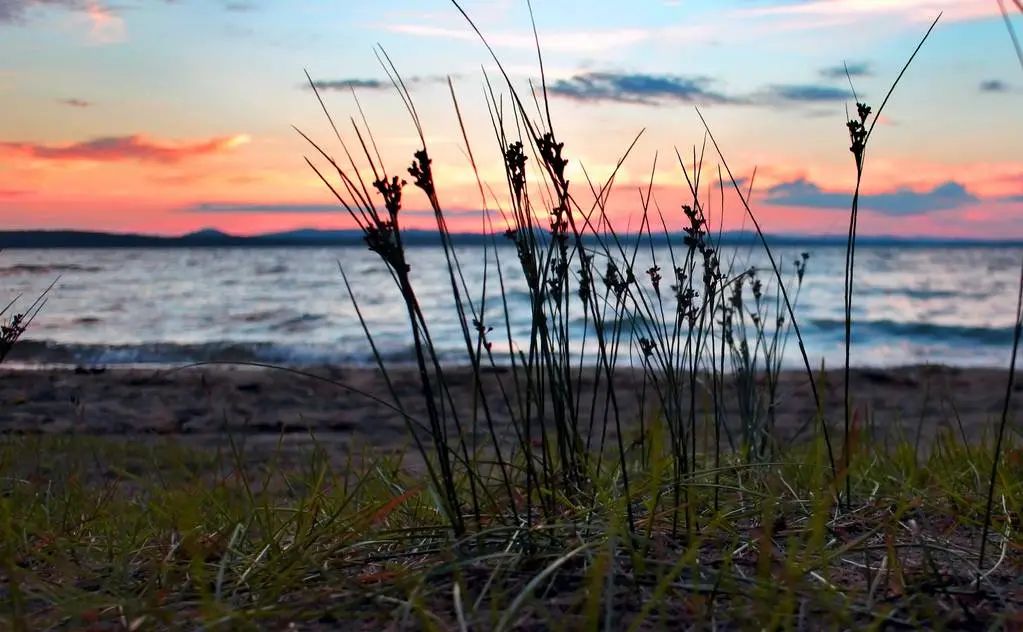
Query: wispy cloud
[371, 84]
[607, 41]
[993, 85]
[560, 42]
[836, 12]
[124, 148]
[300, 208]
[802, 93]
[649, 89]
[240, 6]
[17, 10]
[104, 25]
[257, 207]
[76, 103]
[853, 69]
[901, 201]
[657, 89]
[346, 84]
[466, 213]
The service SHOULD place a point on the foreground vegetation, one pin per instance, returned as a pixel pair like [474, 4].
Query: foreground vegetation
[113, 535]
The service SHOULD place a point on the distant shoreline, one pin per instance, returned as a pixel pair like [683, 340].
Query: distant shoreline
[65, 239]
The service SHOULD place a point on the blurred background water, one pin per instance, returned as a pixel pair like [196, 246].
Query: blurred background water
[169, 306]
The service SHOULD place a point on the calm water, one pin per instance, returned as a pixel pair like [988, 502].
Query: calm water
[952, 306]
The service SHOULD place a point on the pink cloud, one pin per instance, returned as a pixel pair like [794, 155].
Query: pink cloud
[105, 27]
[119, 148]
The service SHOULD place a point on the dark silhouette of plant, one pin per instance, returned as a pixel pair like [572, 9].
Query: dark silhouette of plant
[1016, 334]
[859, 136]
[12, 327]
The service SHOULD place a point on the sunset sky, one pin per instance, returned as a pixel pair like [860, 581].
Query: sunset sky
[167, 116]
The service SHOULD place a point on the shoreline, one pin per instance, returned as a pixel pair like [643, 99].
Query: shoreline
[16, 362]
[207, 405]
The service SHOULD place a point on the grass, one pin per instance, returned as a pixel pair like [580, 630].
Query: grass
[574, 516]
[105, 533]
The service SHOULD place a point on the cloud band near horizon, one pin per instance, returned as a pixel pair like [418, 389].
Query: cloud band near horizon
[120, 148]
[900, 202]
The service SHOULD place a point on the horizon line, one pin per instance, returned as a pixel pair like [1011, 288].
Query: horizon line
[356, 232]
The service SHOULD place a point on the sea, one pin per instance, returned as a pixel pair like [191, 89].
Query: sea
[171, 306]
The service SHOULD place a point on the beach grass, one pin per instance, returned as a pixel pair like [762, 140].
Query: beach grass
[569, 516]
[112, 534]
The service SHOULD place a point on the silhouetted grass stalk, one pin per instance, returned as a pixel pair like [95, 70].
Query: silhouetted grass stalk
[12, 327]
[860, 135]
[1017, 331]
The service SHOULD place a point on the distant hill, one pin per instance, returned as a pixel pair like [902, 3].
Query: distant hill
[211, 238]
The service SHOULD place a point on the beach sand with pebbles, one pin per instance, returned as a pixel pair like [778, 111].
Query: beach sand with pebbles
[346, 409]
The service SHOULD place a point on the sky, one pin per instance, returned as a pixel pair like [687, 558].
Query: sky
[169, 116]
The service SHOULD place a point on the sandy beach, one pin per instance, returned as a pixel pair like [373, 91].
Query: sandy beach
[344, 407]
